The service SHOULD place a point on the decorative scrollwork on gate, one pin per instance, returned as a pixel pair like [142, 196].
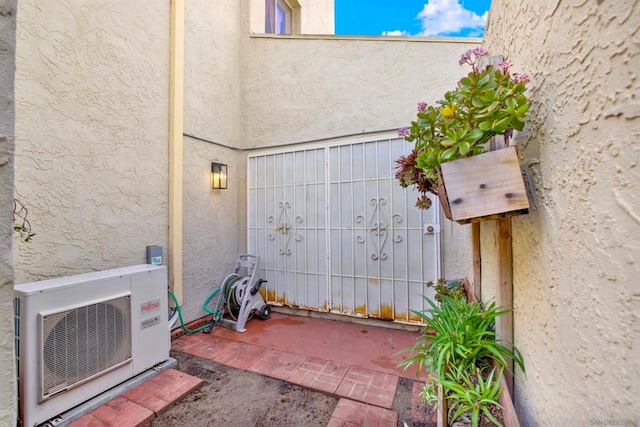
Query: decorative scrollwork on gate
[378, 228]
[398, 219]
[284, 229]
[360, 238]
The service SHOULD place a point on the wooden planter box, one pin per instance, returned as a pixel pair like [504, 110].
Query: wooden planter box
[509, 415]
[483, 187]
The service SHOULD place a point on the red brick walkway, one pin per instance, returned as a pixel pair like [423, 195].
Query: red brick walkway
[352, 361]
[139, 405]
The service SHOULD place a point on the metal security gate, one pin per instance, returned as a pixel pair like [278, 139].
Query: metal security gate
[335, 231]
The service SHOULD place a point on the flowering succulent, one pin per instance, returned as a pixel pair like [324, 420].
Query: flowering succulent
[484, 103]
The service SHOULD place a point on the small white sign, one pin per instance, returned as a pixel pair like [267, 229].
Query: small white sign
[156, 260]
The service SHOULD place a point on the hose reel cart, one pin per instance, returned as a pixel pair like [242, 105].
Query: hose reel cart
[239, 295]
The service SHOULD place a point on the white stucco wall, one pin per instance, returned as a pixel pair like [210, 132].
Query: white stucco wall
[314, 16]
[8, 408]
[576, 254]
[92, 133]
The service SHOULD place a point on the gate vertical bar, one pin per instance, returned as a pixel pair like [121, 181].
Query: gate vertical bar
[306, 237]
[379, 261]
[315, 204]
[353, 240]
[294, 218]
[327, 224]
[275, 216]
[393, 248]
[364, 204]
[406, 209]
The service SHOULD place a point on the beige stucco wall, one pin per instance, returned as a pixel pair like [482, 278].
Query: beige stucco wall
[306, 88]
[212, 224]
[314, 16]
[457, 250]
[7, 115]
[317, 16]
[212, 70]
[92, 133]
[576, 254]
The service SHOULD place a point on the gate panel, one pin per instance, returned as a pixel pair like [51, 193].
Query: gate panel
[380, 258]
[335, 232]
[287, 226]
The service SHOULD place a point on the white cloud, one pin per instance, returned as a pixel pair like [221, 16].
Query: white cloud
[446, 17]
[395, 33]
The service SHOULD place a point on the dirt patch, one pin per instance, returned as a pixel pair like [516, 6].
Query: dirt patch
[423, 415]
[231, 397]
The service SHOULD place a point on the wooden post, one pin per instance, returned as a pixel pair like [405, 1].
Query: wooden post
[504, 258]
[477, 260]
[504, 290]
[442, 412]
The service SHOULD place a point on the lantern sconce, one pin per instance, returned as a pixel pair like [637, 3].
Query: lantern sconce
[218, 176]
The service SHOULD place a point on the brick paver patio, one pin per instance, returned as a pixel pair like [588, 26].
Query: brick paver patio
[352, 361]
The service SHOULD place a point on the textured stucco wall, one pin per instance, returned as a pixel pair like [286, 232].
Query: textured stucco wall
[212, 219]
[211, 222]
[92, 133]
[457, 250]
[315, 16]
[7, 116]
[576, 254]
[212, 70]
[301, 89]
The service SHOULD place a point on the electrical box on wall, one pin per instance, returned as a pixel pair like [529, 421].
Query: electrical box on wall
[154, 255]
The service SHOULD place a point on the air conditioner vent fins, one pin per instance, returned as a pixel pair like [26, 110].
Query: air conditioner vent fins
[84, 342]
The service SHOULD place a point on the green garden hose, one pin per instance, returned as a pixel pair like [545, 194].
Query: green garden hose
[216, 316]
[230, 294]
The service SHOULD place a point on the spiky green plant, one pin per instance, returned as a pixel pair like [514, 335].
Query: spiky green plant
[471, 396]
[459, 341]
[460, 333]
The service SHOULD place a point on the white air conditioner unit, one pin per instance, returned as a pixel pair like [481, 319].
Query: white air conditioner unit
[79, 336]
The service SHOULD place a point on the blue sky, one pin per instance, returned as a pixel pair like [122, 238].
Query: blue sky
[462, 18]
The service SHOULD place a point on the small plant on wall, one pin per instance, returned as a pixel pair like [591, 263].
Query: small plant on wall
[21, 224]
[485, 103]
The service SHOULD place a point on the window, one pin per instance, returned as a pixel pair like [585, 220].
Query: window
[278, 17]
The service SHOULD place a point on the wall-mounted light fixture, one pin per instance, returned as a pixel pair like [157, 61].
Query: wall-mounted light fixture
[218, 176]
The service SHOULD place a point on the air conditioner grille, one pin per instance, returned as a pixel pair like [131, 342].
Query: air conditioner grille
[81, 343]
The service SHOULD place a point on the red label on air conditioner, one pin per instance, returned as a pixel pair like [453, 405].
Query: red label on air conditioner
[150, 306]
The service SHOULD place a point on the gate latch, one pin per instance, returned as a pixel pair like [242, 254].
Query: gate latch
[430, 228]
